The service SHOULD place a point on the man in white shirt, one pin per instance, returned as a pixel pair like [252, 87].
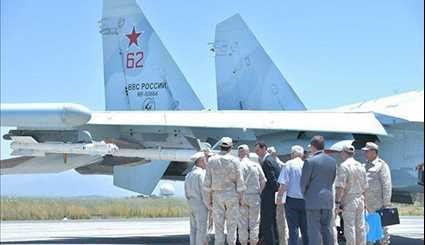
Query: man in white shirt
[289, 181]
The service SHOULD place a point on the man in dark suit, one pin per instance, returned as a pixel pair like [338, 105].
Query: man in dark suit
[268, 228]
[318, 176]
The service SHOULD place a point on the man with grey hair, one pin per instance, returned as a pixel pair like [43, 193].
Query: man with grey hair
[289, 181]
[273, 152]
[255, 181]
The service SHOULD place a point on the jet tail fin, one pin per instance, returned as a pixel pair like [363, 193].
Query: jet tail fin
[247, 78]
[139, 72]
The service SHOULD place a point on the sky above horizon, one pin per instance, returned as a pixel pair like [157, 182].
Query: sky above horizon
[331, 52]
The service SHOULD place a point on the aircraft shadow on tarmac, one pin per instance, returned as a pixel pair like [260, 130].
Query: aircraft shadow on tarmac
[171, 240]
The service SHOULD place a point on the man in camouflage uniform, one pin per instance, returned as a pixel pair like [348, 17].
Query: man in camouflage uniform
[250, 210]
[225, 185]
[378, 174]
[197, 199]
[351, 185]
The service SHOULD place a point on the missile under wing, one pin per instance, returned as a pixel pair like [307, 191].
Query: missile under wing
[139, 74]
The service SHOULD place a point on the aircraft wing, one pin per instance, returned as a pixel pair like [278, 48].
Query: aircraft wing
[148, 145]
[335, 122]
[405, 107]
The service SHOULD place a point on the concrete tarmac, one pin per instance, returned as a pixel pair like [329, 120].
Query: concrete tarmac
[144, 231]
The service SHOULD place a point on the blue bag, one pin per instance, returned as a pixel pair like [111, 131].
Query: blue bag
[375, 231]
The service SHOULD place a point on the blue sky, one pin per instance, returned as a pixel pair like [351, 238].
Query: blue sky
[331, 52]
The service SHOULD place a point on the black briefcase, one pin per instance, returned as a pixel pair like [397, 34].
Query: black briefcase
[389, 216]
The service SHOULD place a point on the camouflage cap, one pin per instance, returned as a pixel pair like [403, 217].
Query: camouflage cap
[370, 146]
[226, 142]
[243, 147]
[195, 157]
[349, 148]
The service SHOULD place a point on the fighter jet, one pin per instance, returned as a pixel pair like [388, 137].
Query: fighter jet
[247, 79]
[153, 121]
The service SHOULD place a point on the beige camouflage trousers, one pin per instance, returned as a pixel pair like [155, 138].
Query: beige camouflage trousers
[250, 219]
[354, 221]
[198, 222]
[282, 226]
[225, 210]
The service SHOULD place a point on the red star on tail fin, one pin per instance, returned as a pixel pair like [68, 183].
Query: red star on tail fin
[132, 37]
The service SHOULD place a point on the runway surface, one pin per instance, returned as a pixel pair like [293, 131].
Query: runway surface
[144, 231]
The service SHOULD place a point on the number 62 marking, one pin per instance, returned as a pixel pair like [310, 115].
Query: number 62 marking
[135, 60]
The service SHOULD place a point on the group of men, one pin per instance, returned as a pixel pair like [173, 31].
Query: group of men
[261, 200]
